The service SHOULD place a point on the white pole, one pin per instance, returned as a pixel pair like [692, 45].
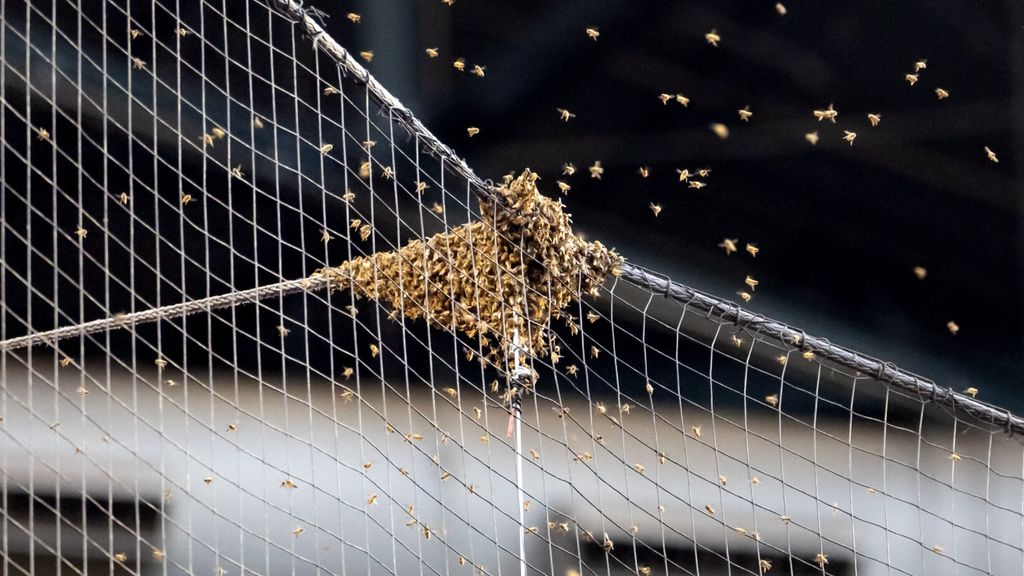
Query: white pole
[515, 411]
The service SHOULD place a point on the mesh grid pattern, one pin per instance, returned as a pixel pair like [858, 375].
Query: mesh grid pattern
[156, 154]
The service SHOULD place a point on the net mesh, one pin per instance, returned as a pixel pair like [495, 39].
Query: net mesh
[177, 177]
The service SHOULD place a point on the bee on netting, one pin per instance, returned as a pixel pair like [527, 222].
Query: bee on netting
[182, 32]
[745, 113]
[874, 119]
[941, 93]
[283, 330]
[709, 509]
[353, 17]
[81, 232]
[696, 431]
[42, 134]
[121, 557]
[374, 350]
[299, 530]
[661, 457]
[459, 64]
[326, 149]
[773, 399]
[755, 481]
[138, 63]
[364, 232]
[593, 33]
[954, 457]
[325, 236]
[289, 484]
[594, 351]
[655, 208]
[644, 570]
[534, 454]
[367, 55]
[472, 131]
[237, 172]
[135, 33]
[451, 392]
[477, 412]
[937, 549]
[208, 480]
[83, 391]
[596, 170]
[649, 388]
[607, 545]
[433, 52]
[812, 137]
[485, 439]
[808, 355]
[829, 114]
[478, 70]
[713, 38]
[821, 560]
[233, 427]
[720, 130]
[953, 327]
[413, 437]
[564, 115]
[911, 79]
[158, 554]
[185, 199]
[330, 90]
[372, 499]
[849, 136]
[160, 363]
[65, 362]
[583, 457]
[723, 480]
[257, 122]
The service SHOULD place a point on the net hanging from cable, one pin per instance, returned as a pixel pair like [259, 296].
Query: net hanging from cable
[257, 319]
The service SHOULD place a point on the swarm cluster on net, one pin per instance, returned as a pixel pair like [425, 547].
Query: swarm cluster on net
[510, 272]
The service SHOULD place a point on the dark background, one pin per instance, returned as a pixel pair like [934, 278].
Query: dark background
[840, 228]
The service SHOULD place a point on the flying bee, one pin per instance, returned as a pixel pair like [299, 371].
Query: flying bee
[696, 184]
[991, 155]
[565, 115]
[655, 208]
[237, 172]
[850, 136]
[745, 113]
[941, 93]
[452, 392]
[182, 32]
[921, 64]
[720, 130]
[353, 17]
[723, 480]
[364, 232]
[472, 131]
[347, 372]
[644, 171]
[971, 391]
[596, 170]
[911, 79]
[185, 199]
[135, 33]
[729, 244]
[746, 296]
[372, 499]
[257, 122]
[325, 236]
[639, 468]
[121, 557]
[437, 208]
[138, 63]
[563, 187]
[592, 33]
[299, 530]
[289, 484]
[921, 272]
[683, 100]
[812, 137]
[829, 114]
[713, 38]
[753, 249]
[953, 327]
[571, 370]
[821, 560]
[42, 134]
[459, 64]
[781, 9]
[568, 169]
[374, 350]
[367, 55]
[81, 232]
[808, 355]
[684, 174]
[534, 454]
[478, 70]
[752, 283]
[433, 52]
[664, 98]
[874, 119]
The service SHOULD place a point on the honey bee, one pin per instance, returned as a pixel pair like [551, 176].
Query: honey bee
[991, 155]
[299, 530]
[413, 437]
[160, 363]
[208, 480]
[185, 199]
[534, 454]
[81, 232]
[720, 130]
[661, 457]
[829, 114]
[745, 296]
[729, 245]
[644, 171]
[121, 557]
[696, 184]
[182, 32]
[346, 395]
[365, 231]
[485, 439]
[649, 388]
[289, 484]
[592, 33]
[920, 64]
[782, 12]
[437, 208]
[257, 122]
[372, 499]
[325, 236]
[374, 350]
[723, 480]
[207, 141]
[954, 457]
[774, 398]
[812, 137]
[752, 283]
[568, 169]
[683, 100]
[596, 170]
[233, 427]
[65, 362]
[911, 79]
[563, 187]
[347, 372]
[282, 330]
[237, 172]
[709, 509]
[158, 554]
[478, 70]
[755, 481]
[921, 272]
[941, 93]
[655, 208]
[937, 549]
[874, 119]
[477, 412]
[571, 370]
[330, 90]
[433, 52]
[83, 391]
[850, 136]
[451, 392]
[664, 98]
[753, 249]
[696, 431]
[353, 17]
[326, 149]
[953, 327]
[135, 33]
[367, 55]
[607, 545]
[472, 131]
[459, 64]
[138, 63]
[745, 113]
[821, 560]
[713, 38]
[42, 134]
[564, 114]
[972, 392]
[808, 355]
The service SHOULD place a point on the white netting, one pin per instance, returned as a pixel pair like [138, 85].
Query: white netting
[180, 176]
